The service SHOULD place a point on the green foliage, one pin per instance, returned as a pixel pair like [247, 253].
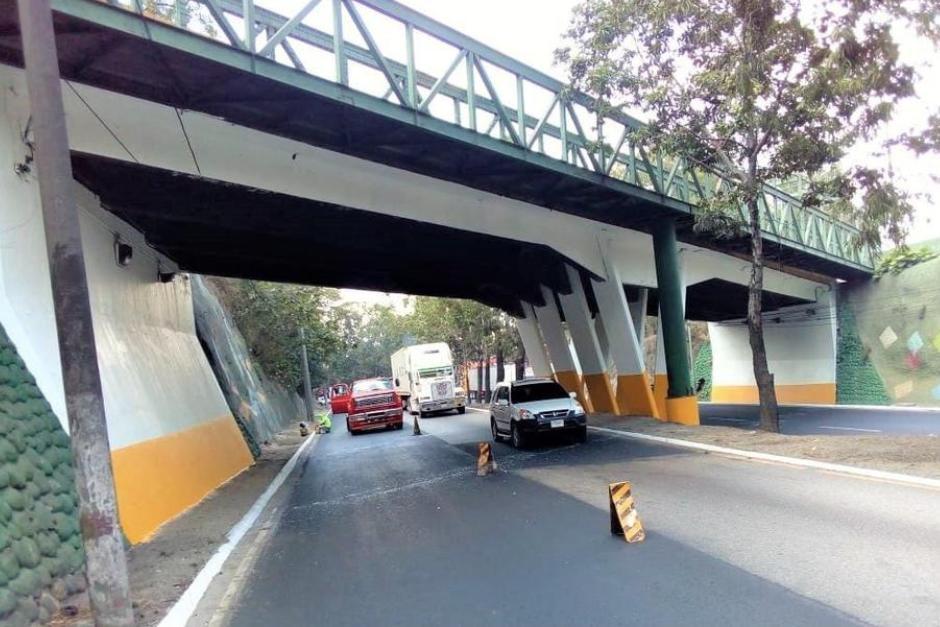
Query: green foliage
[764, 90]
[702, 369]
[899, 259]
[270, 316]
[857, 379]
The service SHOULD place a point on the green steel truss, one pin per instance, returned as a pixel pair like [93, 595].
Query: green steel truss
[404, 58]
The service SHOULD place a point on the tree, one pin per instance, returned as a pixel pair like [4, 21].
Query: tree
[270, 315]
[761, 90]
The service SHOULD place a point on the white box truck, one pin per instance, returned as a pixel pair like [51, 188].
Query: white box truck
[424, 378]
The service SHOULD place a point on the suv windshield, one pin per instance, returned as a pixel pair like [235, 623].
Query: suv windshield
[372, 385]
[537, 392]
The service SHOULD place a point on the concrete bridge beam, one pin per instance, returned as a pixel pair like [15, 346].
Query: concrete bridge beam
[532, 342]
[634, 396]
[681, 403]
[563, 363]
[588, 347]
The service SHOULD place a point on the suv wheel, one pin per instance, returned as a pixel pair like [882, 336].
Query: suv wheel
[496, 436]
[581, 435]
[518, 440]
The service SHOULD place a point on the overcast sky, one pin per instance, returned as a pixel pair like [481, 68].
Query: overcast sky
[530, 30]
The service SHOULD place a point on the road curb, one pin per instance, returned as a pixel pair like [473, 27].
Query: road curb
[184, 607]
[868, 473]
[884, 408]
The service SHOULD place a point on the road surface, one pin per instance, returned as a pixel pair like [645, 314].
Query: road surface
[829, 420]
[394, 529]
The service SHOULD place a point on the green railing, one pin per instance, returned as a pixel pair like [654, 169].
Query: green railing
[387, 50]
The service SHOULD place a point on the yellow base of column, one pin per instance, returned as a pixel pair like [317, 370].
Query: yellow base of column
[601, 392]
[803, 393]
[660, 387]
[571, 381]
[634, 396]
[683, 410]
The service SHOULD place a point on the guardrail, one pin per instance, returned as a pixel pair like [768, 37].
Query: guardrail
[392, 52]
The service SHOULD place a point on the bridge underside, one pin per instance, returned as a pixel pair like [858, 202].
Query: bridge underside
[262, 95]
[210, 227]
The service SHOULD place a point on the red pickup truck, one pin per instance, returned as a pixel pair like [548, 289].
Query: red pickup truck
[373, 404]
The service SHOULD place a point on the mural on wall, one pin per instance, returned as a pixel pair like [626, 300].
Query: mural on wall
[897, 324]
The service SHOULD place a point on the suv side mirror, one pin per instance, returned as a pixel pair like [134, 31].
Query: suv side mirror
[573, 395]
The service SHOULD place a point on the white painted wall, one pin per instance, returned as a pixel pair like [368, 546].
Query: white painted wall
[800, 350]
[155, 377]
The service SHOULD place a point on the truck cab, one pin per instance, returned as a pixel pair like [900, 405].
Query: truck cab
[424, 377]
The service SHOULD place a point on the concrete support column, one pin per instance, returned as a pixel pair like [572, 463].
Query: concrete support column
[563, 363]
[532, 342]
[660, 380]
[681, 403]
[634, 396]
[581, 328]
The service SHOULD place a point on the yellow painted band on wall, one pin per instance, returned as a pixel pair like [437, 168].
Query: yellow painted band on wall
[571, 381]
[660, 388]
[159, 479]
[808, 393]
[683, 410]
[634, 396]
[601, 392]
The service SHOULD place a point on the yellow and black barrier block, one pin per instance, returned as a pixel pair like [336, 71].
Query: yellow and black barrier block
[624, 520]
[486, 462]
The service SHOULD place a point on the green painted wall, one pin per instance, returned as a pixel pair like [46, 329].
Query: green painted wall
[40, 545]
[702, 369]
[857, 379]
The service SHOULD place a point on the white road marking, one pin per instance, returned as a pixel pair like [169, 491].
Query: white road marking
[767, 457]
[726, 419]
[181, 612]
[482, 411]
[850, 429]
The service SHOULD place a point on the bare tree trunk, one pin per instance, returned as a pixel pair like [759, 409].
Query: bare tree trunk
[769, 417]
[487, 376]
[520, 365]
[480, 379]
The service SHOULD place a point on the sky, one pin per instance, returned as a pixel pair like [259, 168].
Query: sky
[530, 31]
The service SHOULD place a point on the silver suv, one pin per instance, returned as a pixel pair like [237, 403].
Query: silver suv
[525, 408]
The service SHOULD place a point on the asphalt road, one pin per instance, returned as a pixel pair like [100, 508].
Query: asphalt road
[393, 529]
[829, 420]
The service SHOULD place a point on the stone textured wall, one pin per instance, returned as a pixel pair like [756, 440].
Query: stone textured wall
[40, 544]
[858, 381]
[702, 369]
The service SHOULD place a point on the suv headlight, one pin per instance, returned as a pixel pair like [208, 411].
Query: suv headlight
[577, 409]
[525, 414]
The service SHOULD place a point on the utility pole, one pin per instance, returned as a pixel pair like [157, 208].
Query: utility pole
[305, 366]
[105, 562]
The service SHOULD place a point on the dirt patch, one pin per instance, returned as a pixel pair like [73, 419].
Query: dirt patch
[162, 568]
[909, 455]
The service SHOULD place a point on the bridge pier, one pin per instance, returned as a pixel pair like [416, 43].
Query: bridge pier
[584, 335]
[532, 342]
[681, 403]
[634, 396]
[563, 364]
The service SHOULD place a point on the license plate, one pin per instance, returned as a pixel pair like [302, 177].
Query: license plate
[557, 424]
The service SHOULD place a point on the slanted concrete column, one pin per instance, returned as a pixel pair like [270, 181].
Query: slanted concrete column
[581, 328]
[681, 403]
[634, 396]
[532, 342]
[563, 363]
